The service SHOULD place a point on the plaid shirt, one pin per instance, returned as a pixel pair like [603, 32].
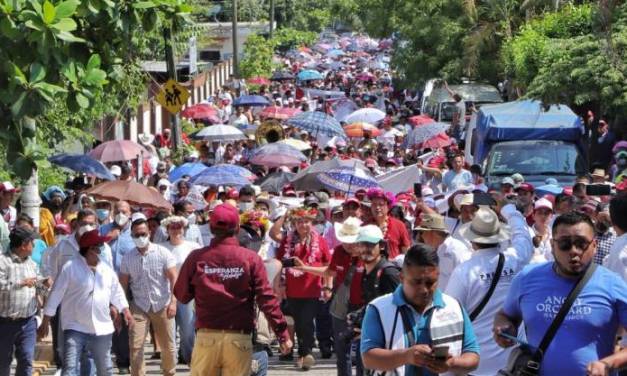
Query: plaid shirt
[17, 301]
[604, 244]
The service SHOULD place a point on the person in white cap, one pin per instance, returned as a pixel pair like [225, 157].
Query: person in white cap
[540, 230]
[471, 281]
[464, 203]
[115, 171]
[7, 195]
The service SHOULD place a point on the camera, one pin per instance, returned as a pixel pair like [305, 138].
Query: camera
[354, 320]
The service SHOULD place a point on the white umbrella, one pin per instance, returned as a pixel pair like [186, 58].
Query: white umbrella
[298, 144]
[220, 133]
[366, 115]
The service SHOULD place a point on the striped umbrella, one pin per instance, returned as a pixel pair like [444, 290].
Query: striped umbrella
[279, 113]
[317, 122]
[348, 180]
[220, 133]
[224, 174]
[276, 155]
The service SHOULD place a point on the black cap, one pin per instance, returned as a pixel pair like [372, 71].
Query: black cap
[20, 235]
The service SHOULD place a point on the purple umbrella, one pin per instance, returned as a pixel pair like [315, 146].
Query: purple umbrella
[276, 155]
[620, 145]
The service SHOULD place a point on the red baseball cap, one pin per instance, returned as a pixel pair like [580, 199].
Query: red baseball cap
[525, 187]
[224, 216]
[92, 238]
[232, 194]
[7, 187]
[351, 200]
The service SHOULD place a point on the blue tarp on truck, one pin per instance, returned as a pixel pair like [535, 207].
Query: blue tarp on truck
[523, 120]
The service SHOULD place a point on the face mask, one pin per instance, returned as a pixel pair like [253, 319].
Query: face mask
[102, 214]
[191, 219]
[141, 242]
[246, 206]
[121, 219]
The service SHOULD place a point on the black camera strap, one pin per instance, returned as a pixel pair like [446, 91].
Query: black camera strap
[495, 280]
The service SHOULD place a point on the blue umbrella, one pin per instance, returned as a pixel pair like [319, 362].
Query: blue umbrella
[191, 169]
[276, 155]
[223, 174]
[347, 180]
[251, 100]
[335, 52]
[82, 163]
[317, 122]
[309, 75]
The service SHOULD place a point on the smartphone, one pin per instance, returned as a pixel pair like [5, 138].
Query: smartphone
[440, 352]
[598, 190]
[418, 190]
[288, 262]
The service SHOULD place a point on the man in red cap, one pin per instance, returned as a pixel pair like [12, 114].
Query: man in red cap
[221, 279]
[526, 195]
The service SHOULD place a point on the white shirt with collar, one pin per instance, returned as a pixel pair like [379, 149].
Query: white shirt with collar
[471, 280]
[65, 250]
[451, 253]
[85, 296]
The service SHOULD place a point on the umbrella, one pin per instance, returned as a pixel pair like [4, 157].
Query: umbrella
[258, 81]
[620, 145]
[295, 143]
[551, 189]
[200, 111]
[275, 182]
[309, 75]
[399, 180]
[366, 115]
[279, 113]
[251, 100]
[82, 163]
[134, 193]
[307, 179]
[365, 77]
[220, 133]
[317, 122]
[118, 150]
[277, 154]
[223, 174]
[191, 169]
[282, 76]
[427, 131]
[420, 120]
[347, 180]
[335, 52]
[357, 129]
[439, 141]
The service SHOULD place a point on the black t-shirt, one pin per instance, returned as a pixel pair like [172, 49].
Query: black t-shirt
[383, 279]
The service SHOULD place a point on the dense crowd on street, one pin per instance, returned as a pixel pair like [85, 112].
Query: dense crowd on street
[280, 230]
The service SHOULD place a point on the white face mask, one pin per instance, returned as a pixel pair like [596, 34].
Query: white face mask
[246, 206]
[141, 242]
[191, 219]
[121, 219]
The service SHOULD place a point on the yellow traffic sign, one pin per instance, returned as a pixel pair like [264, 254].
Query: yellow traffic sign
[173, 96]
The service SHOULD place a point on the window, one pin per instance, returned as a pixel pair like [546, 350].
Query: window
[537, 158]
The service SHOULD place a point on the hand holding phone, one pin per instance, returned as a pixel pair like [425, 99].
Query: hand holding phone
[440, 352]
[289, 262]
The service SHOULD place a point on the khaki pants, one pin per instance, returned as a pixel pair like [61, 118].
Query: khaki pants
[164, 334]
[221, 353]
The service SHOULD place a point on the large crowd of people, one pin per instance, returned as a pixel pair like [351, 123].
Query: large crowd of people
[445, 276]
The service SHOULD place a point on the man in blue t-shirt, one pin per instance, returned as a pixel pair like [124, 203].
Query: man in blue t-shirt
[436, 321]
[584, 343]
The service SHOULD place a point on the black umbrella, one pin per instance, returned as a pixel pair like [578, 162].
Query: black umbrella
[282, 76]
[307, 179]
[274, 182]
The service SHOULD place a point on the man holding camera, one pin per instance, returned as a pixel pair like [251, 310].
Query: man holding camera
[418, 330]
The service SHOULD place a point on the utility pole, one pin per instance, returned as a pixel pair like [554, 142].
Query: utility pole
[235, 52]
[175, 120]
[271, 18]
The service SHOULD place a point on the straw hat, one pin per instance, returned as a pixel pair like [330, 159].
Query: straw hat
[432, 222]
[347, 231]
[599, 173]
[485, 228]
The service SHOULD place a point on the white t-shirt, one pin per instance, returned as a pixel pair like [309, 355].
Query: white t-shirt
[181, 251]
[451, 253]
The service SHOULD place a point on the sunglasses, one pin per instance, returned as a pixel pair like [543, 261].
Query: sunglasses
[565, 243]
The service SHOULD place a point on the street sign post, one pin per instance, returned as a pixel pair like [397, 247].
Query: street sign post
[173, 96]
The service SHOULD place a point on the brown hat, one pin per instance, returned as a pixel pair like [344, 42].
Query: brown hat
[432, 222]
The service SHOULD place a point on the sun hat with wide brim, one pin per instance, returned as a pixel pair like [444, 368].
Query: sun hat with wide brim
[347, 231]
[432, 222]
[485, 228]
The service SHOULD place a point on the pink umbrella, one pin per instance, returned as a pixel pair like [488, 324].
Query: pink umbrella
[200, 111]
[279, 113]
[258, 81]
[439, 141]
[118, 150]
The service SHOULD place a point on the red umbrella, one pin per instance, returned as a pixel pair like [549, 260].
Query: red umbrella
[420, 120]
[439, 141]
[258, 81]
[118, 150]
[279, 113]
[200, 111]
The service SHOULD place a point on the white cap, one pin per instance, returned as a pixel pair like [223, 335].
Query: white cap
[543, 203]
[115, 170]
[137, 216]
[465, 199]
[427, 191]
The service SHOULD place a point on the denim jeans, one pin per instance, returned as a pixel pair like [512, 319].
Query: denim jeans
[17, 336]
[83, 353]
[185, 320]
[343, 350]
[260, 363]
